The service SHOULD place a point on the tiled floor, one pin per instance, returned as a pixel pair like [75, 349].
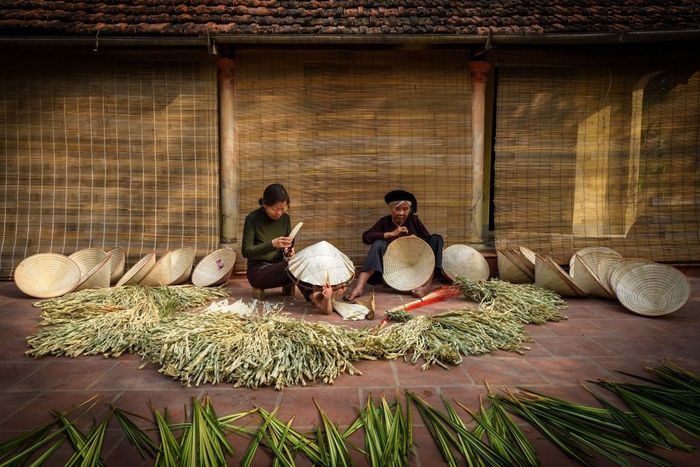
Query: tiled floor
[598, 338]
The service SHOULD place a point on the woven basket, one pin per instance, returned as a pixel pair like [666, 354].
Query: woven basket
[408, 263]
[550, 276]
[588, 281]
[465, 261]
[139, 270]
[321, 263]
[88, 258]
[215, 268]
[117, 264]
[592, 255]
[47, 275]
[653, 289]
[625, 265]
[172, 268]
[97, 277]
[509, 271]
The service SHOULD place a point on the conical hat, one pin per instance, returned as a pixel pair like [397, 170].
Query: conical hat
[550, 276]
[592, 255]
[529, 256]
[117, 264]
[215, 268]
[521, 261]
[97, 277]
[606, 268]
[320, 264]
[408, 263]
[463, 260]
[171, 268]
[653, 289]
[47, 275]
[139, 270]
[588, 282]
[626, 264]
[509, 271]
[87, 258]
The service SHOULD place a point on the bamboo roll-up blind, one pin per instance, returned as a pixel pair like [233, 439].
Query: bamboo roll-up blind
[341, 128]
[107, 152]
[598, 155]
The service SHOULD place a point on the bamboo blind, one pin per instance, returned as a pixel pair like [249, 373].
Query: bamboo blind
[598, 155]
[341, 128]
[108, 152]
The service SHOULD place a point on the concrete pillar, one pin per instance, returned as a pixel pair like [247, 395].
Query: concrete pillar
[228, 155]
[479, 71]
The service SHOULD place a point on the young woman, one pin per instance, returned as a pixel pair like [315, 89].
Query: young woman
[266, 241]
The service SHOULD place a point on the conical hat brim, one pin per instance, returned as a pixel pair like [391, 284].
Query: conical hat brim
[465, 261]
[87, 259]
[215, 268]
[97, 277]
[508, 271]
[588, 282]
[550, 276]
[591, 255]
[47, 275]
[521, 262]
[138, 271]
[320, 264]
[653, 289]
[408, 263]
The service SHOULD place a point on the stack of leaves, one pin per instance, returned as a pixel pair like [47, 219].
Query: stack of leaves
[526, 303]
[443, 338]
[109, 321]
[388, 433]
[675, 398]
[263, 349]
[581, 431]
[451, 434]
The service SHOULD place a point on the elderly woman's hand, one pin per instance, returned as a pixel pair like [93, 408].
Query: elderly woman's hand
[397, 232]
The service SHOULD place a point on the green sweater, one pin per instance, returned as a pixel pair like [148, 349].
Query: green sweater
[259, 231]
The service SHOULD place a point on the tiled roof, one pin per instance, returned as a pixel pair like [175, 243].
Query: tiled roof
[353, 17]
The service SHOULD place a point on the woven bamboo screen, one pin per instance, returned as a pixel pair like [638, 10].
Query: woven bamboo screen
[341, 128]
[599, 155]
[107, 152]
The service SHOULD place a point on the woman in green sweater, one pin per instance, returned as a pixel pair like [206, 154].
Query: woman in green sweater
[266, 241]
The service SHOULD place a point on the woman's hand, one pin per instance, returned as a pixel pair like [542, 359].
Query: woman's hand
[282, 242]
[397, 232]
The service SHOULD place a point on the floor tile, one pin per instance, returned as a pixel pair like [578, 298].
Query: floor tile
[599, 337]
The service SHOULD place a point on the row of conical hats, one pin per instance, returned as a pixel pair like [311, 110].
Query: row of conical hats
[47, 275]
[408, 263]
[642, 286]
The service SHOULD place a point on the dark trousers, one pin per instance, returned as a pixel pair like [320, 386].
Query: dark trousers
[268, 275]
[375, 257]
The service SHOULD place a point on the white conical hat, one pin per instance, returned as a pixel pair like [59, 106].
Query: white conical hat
[588, 281]
[215, 268]
[550, 276]
[139, 270]
[653, 289]
[97, 277]
[408, 263]
[463, 260]
[321, 263]
[47, 275]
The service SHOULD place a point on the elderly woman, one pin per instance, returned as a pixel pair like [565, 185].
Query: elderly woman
[402, 221]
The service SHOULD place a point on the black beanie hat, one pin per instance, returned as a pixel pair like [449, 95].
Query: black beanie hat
[401, 195]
